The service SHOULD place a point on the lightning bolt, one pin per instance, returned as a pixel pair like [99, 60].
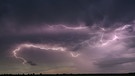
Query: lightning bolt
[70, 28]
[43, 47]
[74, 55]
[98, 43]
[18, 57]
[116, 35]
[75, 28]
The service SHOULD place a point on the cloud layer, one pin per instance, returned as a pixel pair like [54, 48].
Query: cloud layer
[81, 26]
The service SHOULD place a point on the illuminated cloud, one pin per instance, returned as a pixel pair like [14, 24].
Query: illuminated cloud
[88, 36]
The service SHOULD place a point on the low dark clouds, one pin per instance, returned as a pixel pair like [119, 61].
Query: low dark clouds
[115, 61]
[51, 11]
[20, 14]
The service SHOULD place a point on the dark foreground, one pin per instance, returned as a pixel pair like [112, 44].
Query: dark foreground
[129, 74]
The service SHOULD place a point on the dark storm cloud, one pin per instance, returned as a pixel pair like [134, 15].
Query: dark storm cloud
[65, 38]
[28, 21]
[52, 10]
[114, 61]
[25, 13]
[19, 15]
[31, 63]
[35, 56]
[48, 11]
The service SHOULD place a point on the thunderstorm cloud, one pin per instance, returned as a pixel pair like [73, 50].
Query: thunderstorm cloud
[67, 36]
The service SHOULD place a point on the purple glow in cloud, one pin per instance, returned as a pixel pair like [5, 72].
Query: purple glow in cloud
[102, 43]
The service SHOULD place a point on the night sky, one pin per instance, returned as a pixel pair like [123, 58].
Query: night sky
[67, 36]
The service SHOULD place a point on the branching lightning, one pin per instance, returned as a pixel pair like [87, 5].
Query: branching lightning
[115, 35]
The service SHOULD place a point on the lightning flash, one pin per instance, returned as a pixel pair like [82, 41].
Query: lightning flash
[43, 47]
[104, 40]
